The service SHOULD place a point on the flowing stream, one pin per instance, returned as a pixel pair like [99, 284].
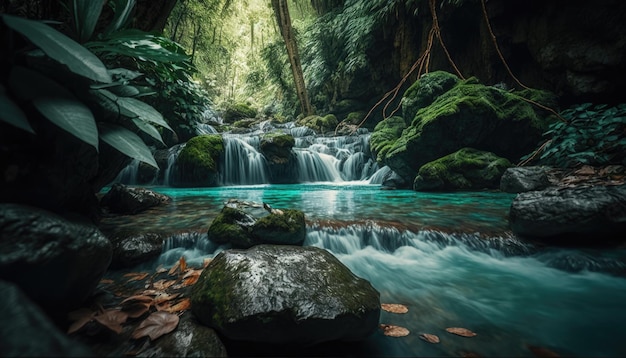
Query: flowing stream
[449, 257]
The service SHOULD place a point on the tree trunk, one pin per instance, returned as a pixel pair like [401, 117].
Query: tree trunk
[284, 24]
[151, 15]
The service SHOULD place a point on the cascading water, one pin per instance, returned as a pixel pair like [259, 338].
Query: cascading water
[243, 164]
[128, 175]
[172, 155]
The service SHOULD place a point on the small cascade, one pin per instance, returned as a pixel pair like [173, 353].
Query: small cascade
[243, 164]
[358, 166]
[128, 175]
[172, 155]
[316, 167]
[194, 246]
[204, 128]
[380, 175]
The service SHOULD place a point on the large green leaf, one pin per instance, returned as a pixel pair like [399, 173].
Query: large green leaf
[70, 115]
[12, 114]
[60, 47]
[126, 142]
[148, 129]
[123, 10]
[21, 80]
[86, 14]
[135, 108]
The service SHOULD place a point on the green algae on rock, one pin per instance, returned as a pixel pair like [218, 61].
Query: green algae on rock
[198, 163]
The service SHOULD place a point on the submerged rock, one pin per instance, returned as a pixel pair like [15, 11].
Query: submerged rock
[571, 216]
[285, 294]
[466, 169]
[122, 199]
[523, 179]
[27, 332]
[56, 262]
[245, 224]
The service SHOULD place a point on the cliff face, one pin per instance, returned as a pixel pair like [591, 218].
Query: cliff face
[574, 48]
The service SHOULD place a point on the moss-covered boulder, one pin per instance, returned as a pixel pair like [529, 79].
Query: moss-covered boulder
[466, 169]
[245, 224]
[469, 115]
[318, 123]
[239, 111]
[386, 133]
[277, 149]
[424, 92]
[197, 164]
[284, 295]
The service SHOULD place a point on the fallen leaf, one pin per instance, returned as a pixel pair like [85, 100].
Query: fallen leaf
[136, 276]
[541, 352]
[183, 264]
[136, 309]
[139, 298]
[150, 292]
[394, 331]
[160, 269]
[156, 325]
[163, 306]
[463, 332]
[430, 338]
[163, 297]
[80, 317]
[174, 268]
[162, 284]
[182, 305]
[106, 281]
[206, 262]
[191, 277]
[112, 319]
[394, 308]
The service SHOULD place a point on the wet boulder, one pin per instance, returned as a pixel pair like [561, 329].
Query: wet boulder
[121, 199]
[465, 169]
[277, 149]
[56, 262]
[197, 164]
[469, 114]
[523, 179]
[133, 248]
[583, 215]
[245, 224]
[285, 295]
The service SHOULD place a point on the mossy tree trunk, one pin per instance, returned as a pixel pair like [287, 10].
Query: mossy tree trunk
[281, 10]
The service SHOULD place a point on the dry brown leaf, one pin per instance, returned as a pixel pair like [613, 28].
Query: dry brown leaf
[430, 338]
[164, 297]
[394, 308]
[394, 331]
[463, 332]
[183, 264]
[541, 352]
[139, 298]
[160, 269]
[182, 305]
[80, 317]
[163, 306]
[156, 325]
[191, 277]
[163, 285]
[136, 309]
[150, 292]
[136, 276]
[206, 262]
[106, 281]
[112, 319]
[172, 270]
[586, 170]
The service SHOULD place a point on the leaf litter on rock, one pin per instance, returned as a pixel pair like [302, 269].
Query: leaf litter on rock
[156, 325]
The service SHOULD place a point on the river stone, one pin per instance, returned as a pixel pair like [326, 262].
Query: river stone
[56, 262]
[122, 199]
[27, 332]
[131, 249]
[286, 295]
[523, 179]
[571, 216]
[245, 224]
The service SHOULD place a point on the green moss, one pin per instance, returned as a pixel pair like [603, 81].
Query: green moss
[239, 111]
[425, 90]
[202, 152]
[286, 228]
[318, 123]
[385, 135]
[279, 139]
[355, 117]
[465, 169]
[225, 228]
[244, 123]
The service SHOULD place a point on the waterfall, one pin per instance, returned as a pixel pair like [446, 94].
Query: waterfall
[172, 155]
[314, 167]
[243, 164]
[128, 175]
[380, 175]
[203, 128]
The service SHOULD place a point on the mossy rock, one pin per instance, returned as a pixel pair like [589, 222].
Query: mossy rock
[245, 123]
[233, 226]
[282, 294]
[318, 123]
[287, 227]
[466, 169]
[277, 149]
[424, 91]
[470, 115]
[355, 117]
[385, 134]
[239, 111]
[198, 162]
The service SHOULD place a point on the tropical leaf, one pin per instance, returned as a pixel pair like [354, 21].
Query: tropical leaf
[123, 9]
[394, 308]
[148, 129]
[60, 48]
[156, 325]
[132, 107]
[394, 331]
[430, 338]
[126, 142]
[11, 113]
[86, 14]
[463, 332]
